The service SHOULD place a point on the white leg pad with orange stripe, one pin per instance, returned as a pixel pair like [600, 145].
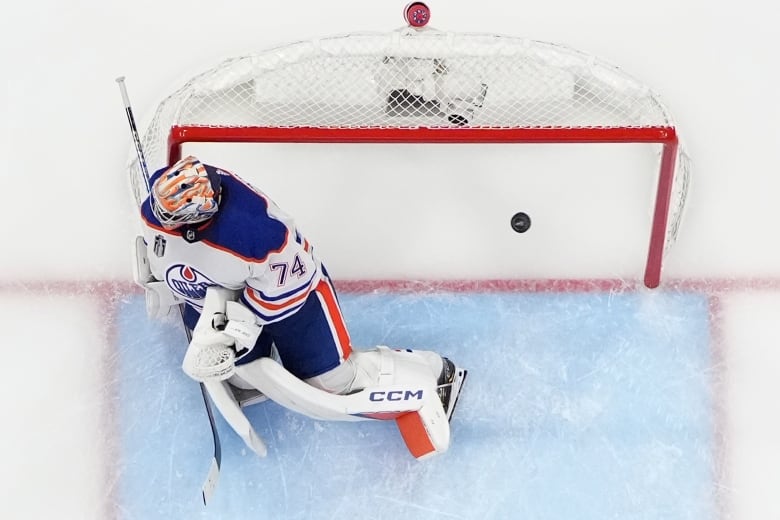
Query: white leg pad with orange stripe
[405, 391]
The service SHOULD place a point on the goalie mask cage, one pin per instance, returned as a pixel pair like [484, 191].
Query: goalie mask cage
[425, 86]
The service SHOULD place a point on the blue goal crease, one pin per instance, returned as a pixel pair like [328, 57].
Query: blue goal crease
[578, 405]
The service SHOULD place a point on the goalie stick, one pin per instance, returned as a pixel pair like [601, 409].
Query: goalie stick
[207, 489]
[216, 461]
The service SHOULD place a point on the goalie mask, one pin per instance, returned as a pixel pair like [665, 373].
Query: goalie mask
[185, 193]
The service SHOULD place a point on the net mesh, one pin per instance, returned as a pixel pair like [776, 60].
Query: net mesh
[411, 79]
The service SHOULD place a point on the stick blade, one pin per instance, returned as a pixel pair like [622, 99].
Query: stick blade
[211, 482]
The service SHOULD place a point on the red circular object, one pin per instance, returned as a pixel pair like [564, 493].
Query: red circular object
[417, 14]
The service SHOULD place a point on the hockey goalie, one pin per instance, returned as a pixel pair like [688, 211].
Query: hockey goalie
[264, 319]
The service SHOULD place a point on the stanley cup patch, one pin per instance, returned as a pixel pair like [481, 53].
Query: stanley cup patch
[159, 246]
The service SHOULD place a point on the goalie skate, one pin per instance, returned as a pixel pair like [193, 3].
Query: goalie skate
[450, 383]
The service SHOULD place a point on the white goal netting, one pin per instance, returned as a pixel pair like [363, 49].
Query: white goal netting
[426, 79]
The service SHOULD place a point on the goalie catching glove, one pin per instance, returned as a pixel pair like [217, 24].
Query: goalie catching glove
[224, 328]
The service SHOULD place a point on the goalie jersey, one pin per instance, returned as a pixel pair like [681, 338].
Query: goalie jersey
[249, 245]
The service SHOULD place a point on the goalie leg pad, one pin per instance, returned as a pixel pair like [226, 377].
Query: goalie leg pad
[379, 366]
[231, 411]
[399, 385]
[426, 432]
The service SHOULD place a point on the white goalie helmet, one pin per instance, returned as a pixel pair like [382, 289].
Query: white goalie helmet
[185, 193]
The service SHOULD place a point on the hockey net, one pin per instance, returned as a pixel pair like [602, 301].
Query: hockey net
[425, 86]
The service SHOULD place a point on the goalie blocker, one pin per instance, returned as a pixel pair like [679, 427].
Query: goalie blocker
[417, 389]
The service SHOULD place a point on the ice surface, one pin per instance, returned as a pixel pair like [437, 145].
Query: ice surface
[54, 431]
[578, 405]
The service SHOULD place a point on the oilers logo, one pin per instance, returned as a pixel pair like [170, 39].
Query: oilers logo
[187, 282]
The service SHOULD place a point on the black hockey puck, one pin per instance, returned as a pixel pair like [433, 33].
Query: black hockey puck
[520, 222]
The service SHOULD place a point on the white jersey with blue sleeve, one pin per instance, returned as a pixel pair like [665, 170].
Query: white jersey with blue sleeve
[250, 245]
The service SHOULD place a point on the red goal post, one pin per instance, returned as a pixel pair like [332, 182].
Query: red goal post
[426, 86]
